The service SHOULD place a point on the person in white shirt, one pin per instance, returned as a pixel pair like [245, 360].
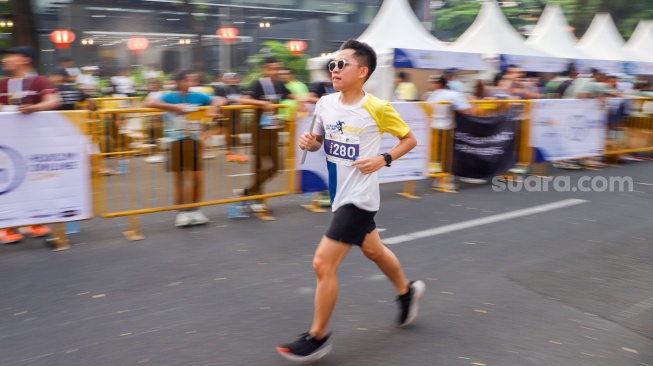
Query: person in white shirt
[349, 125]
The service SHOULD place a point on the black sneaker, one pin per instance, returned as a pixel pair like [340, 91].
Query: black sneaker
[306, 348]
[409, 303]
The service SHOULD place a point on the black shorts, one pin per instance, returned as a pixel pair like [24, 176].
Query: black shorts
[351, 224]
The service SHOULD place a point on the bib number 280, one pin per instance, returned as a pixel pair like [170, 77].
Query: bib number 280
[339, 151]
[342, 151]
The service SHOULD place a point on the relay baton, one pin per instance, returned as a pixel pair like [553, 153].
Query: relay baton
[310, 131]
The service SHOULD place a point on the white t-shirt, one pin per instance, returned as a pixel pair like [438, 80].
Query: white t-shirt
[443, 118]
[352, 132]
[457, 99]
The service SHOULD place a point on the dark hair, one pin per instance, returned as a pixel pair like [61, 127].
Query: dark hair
[442, 80]
[326, 66]
[402, 75]
[479, 89]
[59, 71]
[182, 74]
[363, 54]
[270, 60]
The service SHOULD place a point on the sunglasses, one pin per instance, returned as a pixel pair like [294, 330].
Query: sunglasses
[341, 64]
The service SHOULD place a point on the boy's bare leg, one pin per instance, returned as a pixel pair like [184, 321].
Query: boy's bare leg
[327, 258]
[386, 260]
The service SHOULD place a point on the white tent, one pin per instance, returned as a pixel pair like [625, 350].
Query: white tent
[640, 44]
[491, 34]
[552, 35]
[603, 42]
[397, 26]
[396, 30]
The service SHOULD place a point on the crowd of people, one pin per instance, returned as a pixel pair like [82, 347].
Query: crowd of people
[515, 84]
[69, 87]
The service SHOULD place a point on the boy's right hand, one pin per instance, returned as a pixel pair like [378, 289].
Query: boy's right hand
[306, 140]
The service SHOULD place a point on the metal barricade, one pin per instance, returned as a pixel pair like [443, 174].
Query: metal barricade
[441, 158]
[633, 133]
[132, 174]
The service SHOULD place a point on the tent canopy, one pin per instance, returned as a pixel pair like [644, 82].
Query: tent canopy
[492, 34]
[553, 35]
[602, 40]
[397, 26]
[641, 42]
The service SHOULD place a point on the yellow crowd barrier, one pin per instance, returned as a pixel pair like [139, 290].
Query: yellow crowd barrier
[130, 166]
[441, 157]
[132, 174]
[634, 133]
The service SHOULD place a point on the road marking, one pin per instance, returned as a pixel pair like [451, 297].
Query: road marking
[483, 221]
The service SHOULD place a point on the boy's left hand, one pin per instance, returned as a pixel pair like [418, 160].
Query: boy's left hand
[369, 165]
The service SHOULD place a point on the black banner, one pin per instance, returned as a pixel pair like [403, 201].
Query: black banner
[483, 146]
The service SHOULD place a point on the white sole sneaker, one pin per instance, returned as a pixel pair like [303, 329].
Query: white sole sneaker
[418, 287]
[321, 352]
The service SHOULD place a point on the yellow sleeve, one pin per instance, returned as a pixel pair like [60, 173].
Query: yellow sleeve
[386, 117]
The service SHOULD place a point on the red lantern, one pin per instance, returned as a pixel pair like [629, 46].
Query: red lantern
[296, 47]
[137, 45]
[227, 34]
[62, 38]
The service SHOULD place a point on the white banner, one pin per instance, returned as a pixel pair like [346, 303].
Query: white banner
[412, 166]
[425, 59]
[536, 63]
[44, 170]
[568, 128]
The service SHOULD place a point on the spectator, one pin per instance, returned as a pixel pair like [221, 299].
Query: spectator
[431, 86]
[480, 91]
[153, 88]
[69, 64]
[69, 93]
[88, 80]
[266, 92]
[322, 88]
[27, 92]
[296, 88]
[186, 149]
[452, 80]
[557, 86]
[218, 84]
[405, 90]
[123, 84]
[232, 92]
[442, 93]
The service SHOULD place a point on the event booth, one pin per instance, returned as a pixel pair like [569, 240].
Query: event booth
[402, 42]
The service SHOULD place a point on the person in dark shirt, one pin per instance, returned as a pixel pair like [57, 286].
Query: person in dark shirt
[322, 88]
[64, 83]
[266, 92]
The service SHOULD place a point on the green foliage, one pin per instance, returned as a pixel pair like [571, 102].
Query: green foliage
[297, 63]
[457, 15]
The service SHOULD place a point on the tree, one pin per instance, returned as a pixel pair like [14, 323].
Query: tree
[456, 16]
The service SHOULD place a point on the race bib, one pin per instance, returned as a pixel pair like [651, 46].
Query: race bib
[343, 150]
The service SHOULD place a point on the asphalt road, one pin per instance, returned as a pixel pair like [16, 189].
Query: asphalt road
[564, 287]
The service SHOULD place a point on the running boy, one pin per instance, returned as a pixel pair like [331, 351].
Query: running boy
[349, 124]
